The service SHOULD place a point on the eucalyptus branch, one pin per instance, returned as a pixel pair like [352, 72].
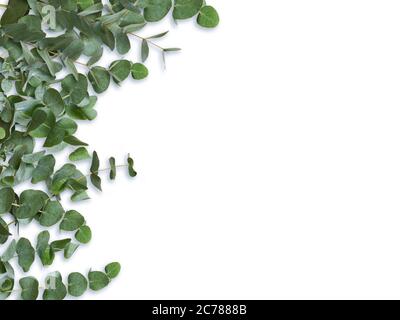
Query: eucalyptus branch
[147, 39]
[32, 108]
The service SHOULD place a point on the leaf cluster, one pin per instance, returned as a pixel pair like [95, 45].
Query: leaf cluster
[50, 79]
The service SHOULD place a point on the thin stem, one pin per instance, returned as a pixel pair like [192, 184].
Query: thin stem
[12, 222]
[82, 64]
[107, 169]
[102, 170]
[57, 54]
[150, 42]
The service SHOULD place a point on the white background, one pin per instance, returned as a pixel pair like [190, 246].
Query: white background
[268, 159]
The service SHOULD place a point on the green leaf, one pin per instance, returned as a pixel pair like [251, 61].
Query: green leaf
[113, 169]
[94, 168]
[85, 4]
[75, 89]
[98, 280]
[29, 287]
[10, 252]
[42, 123]
[99, 78]
[123, 43]
[185, 9]
[56, 289]
[113, 270]
[96, 181]
[73, 141]
[7, 197]
[131, 169]
[62, 178]
[80, 196]
[6, 85]
[3, 133]
[139, 71]
[77, 284]
[145, 50]
[155, 10]
[43, 249]
[33, 157]
[74, 50]
[44, 169]
[15, 10]
[120, 70]
[6, 287]
[79, 154]
[83, 235]
[31, 202]
[107, 37]
[70, 250]
[72, 221]
[208, 17]
[59, 245]
[44, 54]
[159, 35]
[4, 231]
[52, 213]
[25, 253]
[55, 137]
[64, 127]
[53, 100]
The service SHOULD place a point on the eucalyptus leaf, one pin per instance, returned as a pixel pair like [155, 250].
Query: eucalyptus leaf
[10, 252]
[185, 9]
[99, 77]
[72, 221]
[113, 270]
[51, 214]
[77, 284]
[79, 154]
[7, 197]
[208, 17]
[30, 203]
[44, 169]
[55, 288]
[98, 280]
[25, 253]
[120, 70]
[84, 235]
[139, 71]
[29, 288]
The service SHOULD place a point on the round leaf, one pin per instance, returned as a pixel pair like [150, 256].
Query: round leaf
[208, 17]
[98, 280]
[84, 234]
[53, 100]
[52, 213]
[119, 70]
[55, 288]
[72, 221]
[155, 10]
[185, 9]
[29, 288]
[139, 71]
[113, 270]
[77, 284]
